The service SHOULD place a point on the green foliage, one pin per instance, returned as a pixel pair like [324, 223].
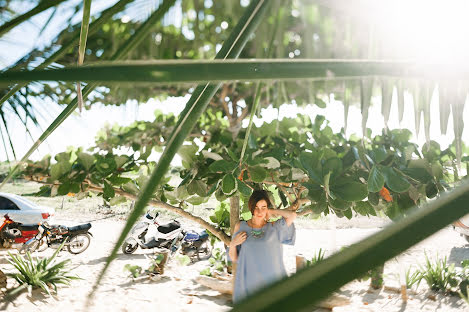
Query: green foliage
[134, 270]
[319, 256]
[221, 216]
[45, 273]
[439, 275]
[217, 263]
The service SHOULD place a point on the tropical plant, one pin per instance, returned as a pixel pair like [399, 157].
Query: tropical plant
[217, 263]
[318, 256]
[439, 275]
[134, 270]
[45, 273]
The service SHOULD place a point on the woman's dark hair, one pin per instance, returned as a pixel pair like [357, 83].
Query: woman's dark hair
[256, 196]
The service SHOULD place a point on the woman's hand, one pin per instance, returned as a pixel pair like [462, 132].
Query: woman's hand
[239, 239]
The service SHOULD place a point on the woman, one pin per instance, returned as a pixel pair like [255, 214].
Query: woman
[257, 246]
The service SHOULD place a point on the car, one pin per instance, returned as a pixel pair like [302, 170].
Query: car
[21, 210]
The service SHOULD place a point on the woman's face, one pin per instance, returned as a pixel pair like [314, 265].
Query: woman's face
[260, 210]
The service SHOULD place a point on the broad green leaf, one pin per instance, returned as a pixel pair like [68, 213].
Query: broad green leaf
[59, 169]
[117, 200]
[351, 191]
[340, 204]
[187, 153]
[121, 160]
[197, 187]
[272, 163]
[309, 162]
[257, 173]
[131, 187]
[375, 180]
[116, 180]
[229, 184]
[108, 191]
[222, 166]
[394, 180]
[244, 189]
[86, 160]
[332, 165]
[211, 155]
[420, 174]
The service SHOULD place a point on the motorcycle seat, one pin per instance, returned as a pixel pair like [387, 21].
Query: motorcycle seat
[166, 228]
[80, 228]
[27, 227]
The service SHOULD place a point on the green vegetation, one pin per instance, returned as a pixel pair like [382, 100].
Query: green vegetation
[45, 273]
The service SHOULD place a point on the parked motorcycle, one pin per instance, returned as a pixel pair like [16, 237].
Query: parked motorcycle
[77, 238]
[14, 234]
[149, 234]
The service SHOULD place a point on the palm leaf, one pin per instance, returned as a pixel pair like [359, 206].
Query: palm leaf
[82, 45]
[301, 291]
[131, 43]
[41, 7]
[95, 26]
[445, 106]
[196, 105]
[227, 70]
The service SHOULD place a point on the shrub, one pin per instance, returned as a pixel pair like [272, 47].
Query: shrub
[45, 273]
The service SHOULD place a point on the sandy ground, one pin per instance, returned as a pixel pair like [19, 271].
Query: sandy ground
[177, 291]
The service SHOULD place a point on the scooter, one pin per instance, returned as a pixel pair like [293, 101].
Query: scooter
[168, 237]
[149, 234]
[77, 238]
[14, 234]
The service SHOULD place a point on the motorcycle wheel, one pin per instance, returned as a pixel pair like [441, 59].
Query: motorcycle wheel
[78, 243]
[42, 245]
[129, 248]
[30, 247]
[204, 251]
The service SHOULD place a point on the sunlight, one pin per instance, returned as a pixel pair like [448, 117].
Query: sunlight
[426, 31]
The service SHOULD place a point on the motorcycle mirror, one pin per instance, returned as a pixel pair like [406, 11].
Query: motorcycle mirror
[157, 214]
[148, 216]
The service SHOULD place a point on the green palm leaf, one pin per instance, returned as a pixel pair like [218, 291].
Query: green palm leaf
[95, 26]
[41, 7]
[119, 54]
[243, 70]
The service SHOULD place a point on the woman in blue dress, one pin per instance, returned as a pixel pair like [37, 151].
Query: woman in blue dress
[257, 246]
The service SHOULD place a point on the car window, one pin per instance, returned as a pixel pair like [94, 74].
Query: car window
[6, 204]
[26, 201]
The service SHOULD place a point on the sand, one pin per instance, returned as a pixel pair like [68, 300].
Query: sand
[176, 290]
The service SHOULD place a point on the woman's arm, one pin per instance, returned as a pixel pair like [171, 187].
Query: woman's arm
[289, 215]
[238, 239]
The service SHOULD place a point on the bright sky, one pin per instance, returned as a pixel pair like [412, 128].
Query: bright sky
[433, 29]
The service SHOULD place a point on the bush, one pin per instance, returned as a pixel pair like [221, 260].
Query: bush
[45, 273]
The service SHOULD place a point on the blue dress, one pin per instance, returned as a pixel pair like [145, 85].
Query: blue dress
[260, 258]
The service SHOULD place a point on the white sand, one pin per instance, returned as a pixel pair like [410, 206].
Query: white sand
[176, 290]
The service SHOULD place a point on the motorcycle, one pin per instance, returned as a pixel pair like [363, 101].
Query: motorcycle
[14, 234]
[462, 227]
[77, 238]
[149, 234]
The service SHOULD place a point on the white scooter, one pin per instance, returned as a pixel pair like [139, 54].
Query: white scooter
[149, 234]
